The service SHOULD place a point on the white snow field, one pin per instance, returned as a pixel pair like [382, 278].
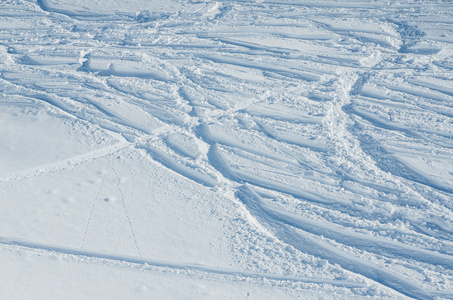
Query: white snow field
[241, 149]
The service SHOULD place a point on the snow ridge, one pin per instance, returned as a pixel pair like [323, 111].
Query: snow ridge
[302, 148]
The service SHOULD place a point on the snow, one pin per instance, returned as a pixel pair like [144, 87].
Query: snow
[226, 149]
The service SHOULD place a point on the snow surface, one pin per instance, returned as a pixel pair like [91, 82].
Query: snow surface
[186, 149]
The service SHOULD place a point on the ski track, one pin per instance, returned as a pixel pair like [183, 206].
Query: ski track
[66, 164]
[188, 267]
[303, 112]
[308, 244]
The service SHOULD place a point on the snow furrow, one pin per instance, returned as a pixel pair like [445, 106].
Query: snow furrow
[318, 247]
[66, 164]
[357, 240]
[261, 138]
[174, 265]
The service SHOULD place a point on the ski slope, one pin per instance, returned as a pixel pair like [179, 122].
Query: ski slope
[189, 149]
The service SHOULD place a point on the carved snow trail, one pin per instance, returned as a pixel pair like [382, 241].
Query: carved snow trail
[283, 228]
[261, 136]
[174, 265]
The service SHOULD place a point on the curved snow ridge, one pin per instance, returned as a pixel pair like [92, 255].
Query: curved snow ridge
[390, 125]
[357, 240]
[69, 11]
[442, 87]
[288, 72]
[123, 69]
[106, 114]
[112, 117]
[177, 265]
[312, 244]
[171, 163]
[292, 138]
[299, 190]
[338, 109]
[390, 163]
[141, 11]
[244, 140]
[416, 91]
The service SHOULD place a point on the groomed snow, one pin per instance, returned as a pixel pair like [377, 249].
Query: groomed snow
[226, 149]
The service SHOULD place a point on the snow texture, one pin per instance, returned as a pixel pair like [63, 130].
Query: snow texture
[243, 149]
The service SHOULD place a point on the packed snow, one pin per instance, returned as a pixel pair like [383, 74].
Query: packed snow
[198, 149]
